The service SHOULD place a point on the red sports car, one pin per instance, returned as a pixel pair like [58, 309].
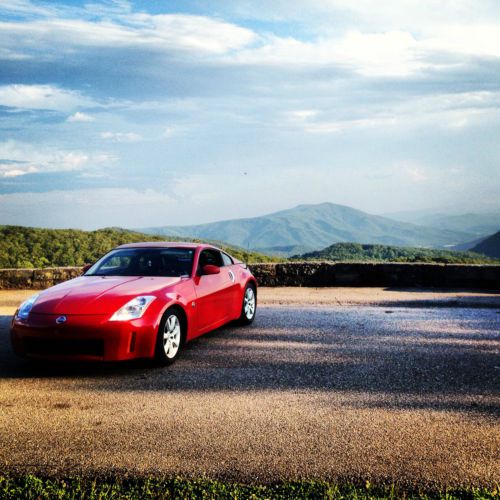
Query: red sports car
[141, 300]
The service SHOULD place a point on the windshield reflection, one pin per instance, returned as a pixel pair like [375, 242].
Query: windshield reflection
[168, 262]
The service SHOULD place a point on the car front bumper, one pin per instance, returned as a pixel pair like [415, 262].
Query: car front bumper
[82, 338]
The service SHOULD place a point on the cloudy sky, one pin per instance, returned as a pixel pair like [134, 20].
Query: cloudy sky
[157, 113]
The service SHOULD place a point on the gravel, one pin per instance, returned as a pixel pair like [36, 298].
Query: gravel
[388, 394]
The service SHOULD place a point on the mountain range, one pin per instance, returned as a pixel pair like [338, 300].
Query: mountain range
[477, 224]
[312, 227]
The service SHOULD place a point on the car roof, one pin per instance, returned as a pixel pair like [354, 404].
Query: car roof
[165, 244]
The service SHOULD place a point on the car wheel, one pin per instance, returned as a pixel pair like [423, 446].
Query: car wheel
[170, 337]
[249, 306]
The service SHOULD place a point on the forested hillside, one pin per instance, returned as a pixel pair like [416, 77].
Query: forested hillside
[380, 253]
[35, 247]
[26, 247]
[489, 246]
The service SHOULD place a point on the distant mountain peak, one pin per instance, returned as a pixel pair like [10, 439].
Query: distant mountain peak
[314, 226]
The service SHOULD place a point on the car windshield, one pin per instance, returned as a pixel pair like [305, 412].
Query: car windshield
[170, 261]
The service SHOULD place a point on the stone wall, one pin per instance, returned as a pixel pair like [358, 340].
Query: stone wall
[321, 274]
[36, 278]
[317, 274]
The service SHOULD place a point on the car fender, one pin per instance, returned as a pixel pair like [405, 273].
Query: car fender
[175, 298]
[242, 288]
[249, 279]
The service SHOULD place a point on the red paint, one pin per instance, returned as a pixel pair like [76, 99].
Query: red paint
[210, 269]
[208, 300]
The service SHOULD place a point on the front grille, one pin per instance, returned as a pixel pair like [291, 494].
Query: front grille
[64, 347]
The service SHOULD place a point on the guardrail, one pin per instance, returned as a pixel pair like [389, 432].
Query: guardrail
[311, 274]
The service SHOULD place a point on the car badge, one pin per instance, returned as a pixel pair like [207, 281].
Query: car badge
[231, 276]
[61, 319]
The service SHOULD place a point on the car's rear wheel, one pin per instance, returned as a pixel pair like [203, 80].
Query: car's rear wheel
[249, 306]
[170, 337]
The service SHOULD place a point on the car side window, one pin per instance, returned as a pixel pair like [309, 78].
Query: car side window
[226, 259]
[209, 256]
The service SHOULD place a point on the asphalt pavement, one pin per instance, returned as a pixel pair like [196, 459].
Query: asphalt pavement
[387, 394]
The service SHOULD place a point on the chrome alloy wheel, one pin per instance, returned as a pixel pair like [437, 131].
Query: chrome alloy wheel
[171, 336]
[249, 303]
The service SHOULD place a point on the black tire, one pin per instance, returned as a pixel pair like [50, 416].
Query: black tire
[247, 311]
[167, 350]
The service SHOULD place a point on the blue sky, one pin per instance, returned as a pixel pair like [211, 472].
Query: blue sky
[165, 113]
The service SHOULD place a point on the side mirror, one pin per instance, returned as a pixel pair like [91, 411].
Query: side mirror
[86, 267]
[210, 269]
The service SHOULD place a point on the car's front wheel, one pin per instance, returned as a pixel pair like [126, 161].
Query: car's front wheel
[249, 306]
[170, 337]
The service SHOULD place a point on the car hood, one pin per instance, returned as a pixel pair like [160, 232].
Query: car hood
[97, 294]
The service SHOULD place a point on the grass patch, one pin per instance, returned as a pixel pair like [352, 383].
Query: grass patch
[36, 487]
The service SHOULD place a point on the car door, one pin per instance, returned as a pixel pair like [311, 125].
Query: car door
[234, 298]
[213, 292]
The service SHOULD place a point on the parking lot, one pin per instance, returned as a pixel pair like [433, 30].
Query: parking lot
[333, 387]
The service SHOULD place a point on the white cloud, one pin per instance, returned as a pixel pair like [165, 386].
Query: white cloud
[394, 39]
[416, 173]
[168, 132]
[320, 124]
[104, 158]
[474, 40]
[26, 7]
[42, 97]
[197, 33]
[73, 160]
[80, 117]
[303, 114]
[121, 136]
[15, 169]
[445, 111]
[327, 16]
[394, 53]
[165, 32]
[18, 158]
[376, 49]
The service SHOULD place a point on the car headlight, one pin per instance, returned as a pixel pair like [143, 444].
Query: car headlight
[133, 309]
[25, 307]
